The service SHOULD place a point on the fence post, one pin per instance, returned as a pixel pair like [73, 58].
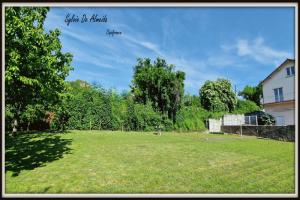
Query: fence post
[241, 124]
[241, 130]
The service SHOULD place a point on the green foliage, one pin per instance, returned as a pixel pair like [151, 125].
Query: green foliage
[118, 109]
[266, 119]
[246, 106]
[159, 84]
[217, 96]
[31, 114]
[191, 118]
[142, 117]
[145, 117]
[61, 114]
[92, 107]
[89, 107]
[252, 93]
[9, 115]
[191, 100]
[35, 67]
[216, 115]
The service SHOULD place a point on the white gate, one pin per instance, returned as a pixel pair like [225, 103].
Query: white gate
[215, 125]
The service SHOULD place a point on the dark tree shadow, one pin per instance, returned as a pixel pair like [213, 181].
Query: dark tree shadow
[28, 151]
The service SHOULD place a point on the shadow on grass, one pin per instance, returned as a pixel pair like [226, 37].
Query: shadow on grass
[27, 151]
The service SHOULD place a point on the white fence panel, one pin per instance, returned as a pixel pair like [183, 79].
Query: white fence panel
[215, 125]
[233, 119]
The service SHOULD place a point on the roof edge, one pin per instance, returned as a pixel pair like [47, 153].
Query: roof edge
[277, 69]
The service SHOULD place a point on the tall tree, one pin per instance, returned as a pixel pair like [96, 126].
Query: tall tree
[252, 93]
[35, 67]
[218, 96]
[159, 84]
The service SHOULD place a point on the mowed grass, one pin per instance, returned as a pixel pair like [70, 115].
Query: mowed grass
[131, 162]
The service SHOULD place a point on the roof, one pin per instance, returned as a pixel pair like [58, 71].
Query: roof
[277, 69]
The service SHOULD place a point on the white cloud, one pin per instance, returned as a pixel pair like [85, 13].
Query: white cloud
[132, 41]
[243, 48]
[89, 58]
[258, 50]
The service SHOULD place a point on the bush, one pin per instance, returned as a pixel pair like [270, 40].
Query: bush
[147, 118]
[246, 106]
[262, 118]
[142, 117]
[191, 118]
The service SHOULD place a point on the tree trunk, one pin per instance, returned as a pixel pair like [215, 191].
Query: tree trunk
[28, 124]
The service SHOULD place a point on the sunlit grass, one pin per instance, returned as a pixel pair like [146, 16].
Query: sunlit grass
[116, 162]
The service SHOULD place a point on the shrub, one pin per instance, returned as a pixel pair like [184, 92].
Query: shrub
[191, 118]
[262, 118]
[246, 106]
[142, 117]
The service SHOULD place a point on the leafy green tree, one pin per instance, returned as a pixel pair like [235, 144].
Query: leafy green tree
[217, 96]
[35, 67]
[90, 107]
[191, 118]
[158, 84]
[118, 108]
[252, 93]
[142, 117]
[246, 106]
[191, 100]
[31, 114]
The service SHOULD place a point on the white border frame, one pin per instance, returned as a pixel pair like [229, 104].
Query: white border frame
[39, 4]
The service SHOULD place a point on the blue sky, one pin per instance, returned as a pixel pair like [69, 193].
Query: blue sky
[243, 45]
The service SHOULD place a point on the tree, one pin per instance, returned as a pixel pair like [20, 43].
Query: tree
[191, 100]
[246, 106]
[252, 93]
[35, 67]
[158, 84]
[217, 96]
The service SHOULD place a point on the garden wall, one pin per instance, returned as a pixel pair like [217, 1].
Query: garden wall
[286, 133]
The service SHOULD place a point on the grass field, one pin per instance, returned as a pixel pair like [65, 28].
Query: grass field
[115, 162]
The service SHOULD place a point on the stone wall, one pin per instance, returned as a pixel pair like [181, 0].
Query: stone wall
[286, 133]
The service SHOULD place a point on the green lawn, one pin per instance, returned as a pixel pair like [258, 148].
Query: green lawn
[115, 162]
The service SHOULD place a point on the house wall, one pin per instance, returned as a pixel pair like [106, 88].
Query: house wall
[279, 79]
[285, 110]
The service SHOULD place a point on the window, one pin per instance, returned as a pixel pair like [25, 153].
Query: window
[290, 71]
[293, 70]
[278, 94]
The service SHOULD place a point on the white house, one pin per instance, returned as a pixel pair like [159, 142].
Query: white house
[279, 93]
